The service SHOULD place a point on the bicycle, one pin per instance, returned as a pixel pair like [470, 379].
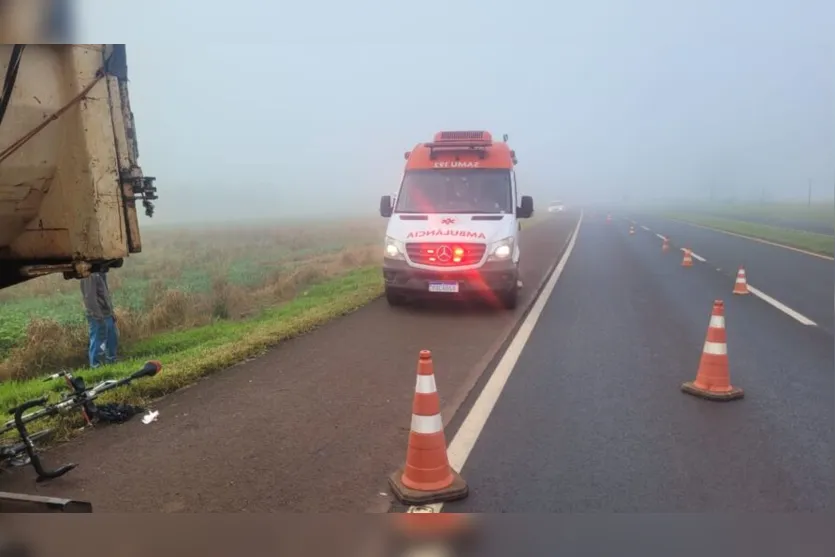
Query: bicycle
[80, 396]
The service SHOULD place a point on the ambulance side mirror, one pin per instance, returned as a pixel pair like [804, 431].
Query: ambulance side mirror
[385, 206]
[525, 211]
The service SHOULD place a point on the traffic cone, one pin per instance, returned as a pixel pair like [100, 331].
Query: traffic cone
[427, 476]
[741, 284]
[608, 218]
[688, 258]
[631, 229]
[665, 246]
[713, 379]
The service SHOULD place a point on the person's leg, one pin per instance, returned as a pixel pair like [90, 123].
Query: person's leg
[112, 340]
[97, 336]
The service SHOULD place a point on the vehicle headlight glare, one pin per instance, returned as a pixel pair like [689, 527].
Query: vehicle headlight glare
[502, 251]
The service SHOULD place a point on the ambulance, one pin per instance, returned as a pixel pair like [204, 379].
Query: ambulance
[453, 230]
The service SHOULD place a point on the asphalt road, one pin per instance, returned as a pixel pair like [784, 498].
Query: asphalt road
[592, 418]
[803, 282]
[314, 425]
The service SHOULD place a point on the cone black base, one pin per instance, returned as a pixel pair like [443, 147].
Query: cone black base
[458, 490]
[691, 389]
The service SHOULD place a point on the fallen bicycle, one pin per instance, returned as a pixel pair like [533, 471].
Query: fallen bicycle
[24, 450]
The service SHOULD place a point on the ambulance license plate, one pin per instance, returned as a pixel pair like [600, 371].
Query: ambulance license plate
[450, 287]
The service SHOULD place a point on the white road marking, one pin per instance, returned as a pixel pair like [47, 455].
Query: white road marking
[781, 306]
[696, 256]
[760, 240]
[467, 435]
[765, 297]
[660, 237]
[645, 228]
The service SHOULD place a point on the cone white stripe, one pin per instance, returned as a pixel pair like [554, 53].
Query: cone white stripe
[740, 280]
[425, 385]
[715, 348]
[717, 321]
[427, 424]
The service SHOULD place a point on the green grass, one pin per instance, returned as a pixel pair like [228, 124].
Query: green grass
[191, 354]
[816, 213]
[241, 264]
[817, 243]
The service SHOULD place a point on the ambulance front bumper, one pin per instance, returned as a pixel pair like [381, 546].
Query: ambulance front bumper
[493, 276]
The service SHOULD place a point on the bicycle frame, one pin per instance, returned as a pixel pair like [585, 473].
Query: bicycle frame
[80, 397]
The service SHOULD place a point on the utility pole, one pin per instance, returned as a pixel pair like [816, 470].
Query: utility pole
[809, 202]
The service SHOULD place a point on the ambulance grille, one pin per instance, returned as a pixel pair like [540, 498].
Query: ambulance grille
[445, 254]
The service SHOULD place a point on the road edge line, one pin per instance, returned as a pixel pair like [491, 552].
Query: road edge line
[754, 239]
[450, 409]
[472, 426]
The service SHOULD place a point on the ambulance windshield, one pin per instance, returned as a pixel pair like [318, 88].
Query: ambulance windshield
[477, 190]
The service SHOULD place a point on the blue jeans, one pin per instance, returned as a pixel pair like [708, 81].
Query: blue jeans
[103, 341]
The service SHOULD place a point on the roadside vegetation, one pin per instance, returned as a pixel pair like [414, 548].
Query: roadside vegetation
[820, 213]
[732, 220]
[198, 300]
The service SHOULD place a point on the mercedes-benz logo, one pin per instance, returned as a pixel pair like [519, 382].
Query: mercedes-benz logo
[444, 254]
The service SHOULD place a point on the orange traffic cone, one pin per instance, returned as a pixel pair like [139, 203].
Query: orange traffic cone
[741, 285]
[665, 246]
[688, 258]
[631, 229]
[713, 379]
[427, 477]
[608, 218]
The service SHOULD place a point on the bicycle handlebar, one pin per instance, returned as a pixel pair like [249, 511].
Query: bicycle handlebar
[54, 376]
[150, 369]
[29, 447]
[21, 408]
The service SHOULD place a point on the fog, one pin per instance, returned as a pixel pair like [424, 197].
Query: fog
[262, 110]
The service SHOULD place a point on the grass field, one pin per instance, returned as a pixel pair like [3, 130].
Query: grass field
[822, 213]
[818, 243]
[185, 278]
[198, 300]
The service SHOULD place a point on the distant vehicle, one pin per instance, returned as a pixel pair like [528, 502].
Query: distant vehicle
[454, 228]
[556, 207]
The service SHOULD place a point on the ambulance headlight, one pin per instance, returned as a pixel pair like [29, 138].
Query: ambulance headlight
[501, 250]
[394, 249]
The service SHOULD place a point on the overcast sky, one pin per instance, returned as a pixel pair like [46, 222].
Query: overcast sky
[260, 109]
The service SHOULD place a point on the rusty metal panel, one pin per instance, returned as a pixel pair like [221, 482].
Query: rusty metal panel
[67, 193]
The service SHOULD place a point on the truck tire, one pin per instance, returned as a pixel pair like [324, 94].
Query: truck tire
[394, 299]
